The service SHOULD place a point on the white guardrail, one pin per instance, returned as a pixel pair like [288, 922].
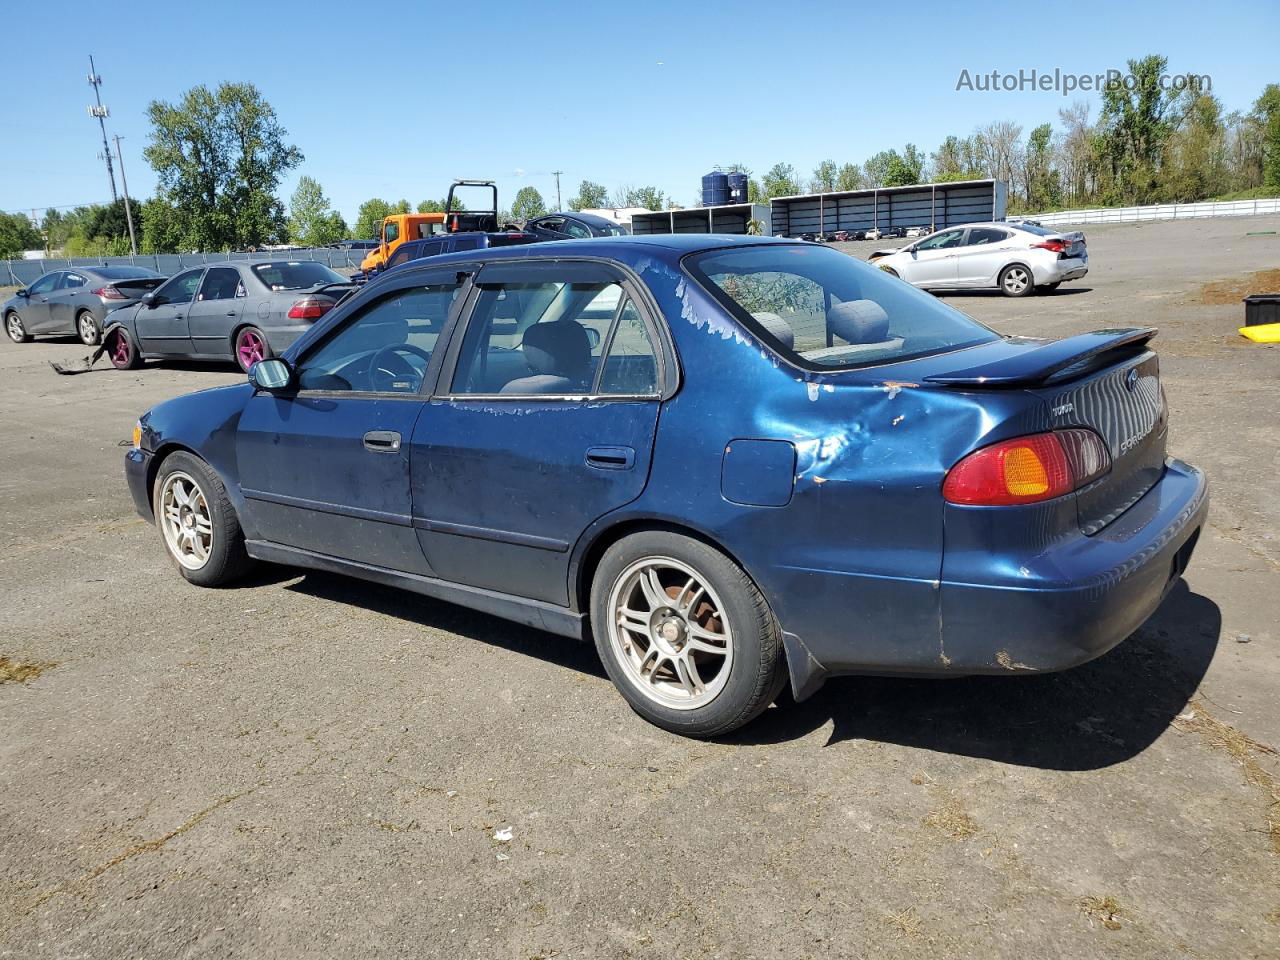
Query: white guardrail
[1160, 211]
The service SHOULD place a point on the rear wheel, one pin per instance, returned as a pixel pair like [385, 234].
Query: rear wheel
[197, 523]
[1016, 281]
[88, 329]
[684, 634]
[16, 330]
[122, 350]
[251, 346]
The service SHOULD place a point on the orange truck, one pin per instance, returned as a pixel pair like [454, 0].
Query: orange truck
[400, 228]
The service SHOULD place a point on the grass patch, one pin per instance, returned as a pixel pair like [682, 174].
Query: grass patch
[1232, 291]
[1103, 910]
[21, 671]
[951, 819]
[905, 921]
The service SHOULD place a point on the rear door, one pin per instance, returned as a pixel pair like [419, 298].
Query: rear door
[162, 325]
[62, 302]
[524, 446]
[983, 254]
[216, 311]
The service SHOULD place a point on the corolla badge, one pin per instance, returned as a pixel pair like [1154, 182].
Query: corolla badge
[1131, 378]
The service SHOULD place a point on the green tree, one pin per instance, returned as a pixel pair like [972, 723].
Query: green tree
[780, 181]
[311, 222]
[17, 235]
[1266, 112]
[590, 196]
[528, 204]
[162, 228]
[109, 221]
[369, 218]
[825, 175]
[219, 156]
[651, 198]
[1041, 183]
[849, 177]
[1137, 124]
[437, 206]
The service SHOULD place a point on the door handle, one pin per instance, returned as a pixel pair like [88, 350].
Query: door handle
[382, 441]
[231, 313]
[611, 458]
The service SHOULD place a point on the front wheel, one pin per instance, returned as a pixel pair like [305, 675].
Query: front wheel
[197, 522]
[16, 330]
[685, 635]
[1016, 281]
[88, 329]
[122, 350]
[251, 346]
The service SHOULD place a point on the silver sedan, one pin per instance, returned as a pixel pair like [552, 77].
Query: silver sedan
[77, 300]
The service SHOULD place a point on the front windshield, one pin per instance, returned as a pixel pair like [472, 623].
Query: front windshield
[295, 274]
[823, 309]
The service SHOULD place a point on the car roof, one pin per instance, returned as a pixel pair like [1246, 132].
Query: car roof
[594, 219]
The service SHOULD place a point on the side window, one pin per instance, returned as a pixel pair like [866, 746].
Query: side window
[70, 280]
[981, 236]
[402, 254]
[575, 230]
[939, 241]
[385, 348]
[182, 288]
[220, 283]
[46, 283]
[631, 365]
[536, 338]
[391, 232]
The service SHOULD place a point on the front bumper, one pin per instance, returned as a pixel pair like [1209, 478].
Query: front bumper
[136, 468]
[1073, 601]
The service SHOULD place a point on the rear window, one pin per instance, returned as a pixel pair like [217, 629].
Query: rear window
[124, 273]
[825, 310]
[1032, 228]
[295, 274]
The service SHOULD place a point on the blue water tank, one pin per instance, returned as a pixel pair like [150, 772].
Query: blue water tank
[737, 188]
[715, 189]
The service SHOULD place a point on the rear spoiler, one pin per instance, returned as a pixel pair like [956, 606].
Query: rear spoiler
[146, 283]
[1059, 360]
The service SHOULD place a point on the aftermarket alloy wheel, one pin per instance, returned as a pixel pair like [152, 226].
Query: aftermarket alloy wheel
[87, 328]
[251, 346]
[14, 327]
[122, 351]
[197, 522]
[1016, 281]
[684, 634]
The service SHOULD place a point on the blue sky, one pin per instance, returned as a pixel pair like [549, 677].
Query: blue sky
[397, 99]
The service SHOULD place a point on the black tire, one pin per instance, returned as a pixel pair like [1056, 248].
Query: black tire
[242, 336]
[1049, 287]
[15, 328]
[755, 674]
[122, 350]
[88, 329]
[226, 560]
[1016, 280]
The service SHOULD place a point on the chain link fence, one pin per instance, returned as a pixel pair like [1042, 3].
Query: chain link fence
[22, 273]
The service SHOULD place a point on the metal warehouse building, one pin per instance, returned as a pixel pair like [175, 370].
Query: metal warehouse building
[728, 218]
[932, 205]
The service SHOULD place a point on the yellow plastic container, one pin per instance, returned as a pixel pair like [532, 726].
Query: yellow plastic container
[1262, 333]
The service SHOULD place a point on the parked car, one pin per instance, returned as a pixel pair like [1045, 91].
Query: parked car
[243, 311]
[448, 243]
[76, 300]
[872, 234]
[840, 236]
[541, 432]
[1014, 259]
[917, 232]
[355, 244]
[857, 234]
[573, 226]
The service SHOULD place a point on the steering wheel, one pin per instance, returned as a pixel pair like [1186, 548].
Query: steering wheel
[388, 369]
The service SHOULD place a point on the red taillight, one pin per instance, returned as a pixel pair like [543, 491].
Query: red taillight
[1028, 469]
[109, 293]
[310, 308]
[1053, 246]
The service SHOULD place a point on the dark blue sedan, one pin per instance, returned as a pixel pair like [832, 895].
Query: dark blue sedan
[731, 461]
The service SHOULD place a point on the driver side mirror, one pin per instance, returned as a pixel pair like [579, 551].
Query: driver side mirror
[593, 337]
[271, 375]
[21, 292]
[151, 299]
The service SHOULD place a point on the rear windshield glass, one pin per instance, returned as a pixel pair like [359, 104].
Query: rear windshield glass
[295, 274]
[1032, 228]
[824, 309]
[124, 273]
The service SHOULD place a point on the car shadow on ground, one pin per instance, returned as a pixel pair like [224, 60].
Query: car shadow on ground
[992, 292]
[1099, 714]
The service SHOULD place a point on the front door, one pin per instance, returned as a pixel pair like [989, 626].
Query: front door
[933, 260]
[36, 314]
[215, 312]
[543, 422]
[326, 469]
[162, 323]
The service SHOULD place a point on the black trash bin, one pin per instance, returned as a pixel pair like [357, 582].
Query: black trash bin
[1261, 308]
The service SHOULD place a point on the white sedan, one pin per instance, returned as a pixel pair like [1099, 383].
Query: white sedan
[1013, 258]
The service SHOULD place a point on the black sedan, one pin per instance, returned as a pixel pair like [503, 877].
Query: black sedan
[75, 300]
[573, 226]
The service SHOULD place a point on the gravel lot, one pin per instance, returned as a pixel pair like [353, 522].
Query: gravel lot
[308, 766]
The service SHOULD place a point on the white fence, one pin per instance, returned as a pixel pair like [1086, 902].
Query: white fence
[1161, 211]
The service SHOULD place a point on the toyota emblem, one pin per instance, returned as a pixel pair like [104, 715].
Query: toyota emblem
[1131, 378]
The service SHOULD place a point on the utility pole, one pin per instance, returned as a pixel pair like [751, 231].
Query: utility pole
[102, 113]
[556, 174]
[124, 185]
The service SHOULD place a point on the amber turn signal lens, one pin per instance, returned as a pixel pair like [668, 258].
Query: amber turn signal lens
[137, 435]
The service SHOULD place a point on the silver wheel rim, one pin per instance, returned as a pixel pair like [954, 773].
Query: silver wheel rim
[88, 332]
[15, 327]
[668, 629]
[185, 520]
[1015, 281]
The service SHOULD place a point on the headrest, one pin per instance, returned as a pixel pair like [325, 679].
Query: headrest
[780, 329]
[859, 321]
[558, 347]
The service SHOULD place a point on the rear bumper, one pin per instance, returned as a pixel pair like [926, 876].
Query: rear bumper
[1073, 601]
[136, 463]
[1056, 271]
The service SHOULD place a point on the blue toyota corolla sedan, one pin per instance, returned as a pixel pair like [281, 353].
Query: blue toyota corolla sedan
[732, 461]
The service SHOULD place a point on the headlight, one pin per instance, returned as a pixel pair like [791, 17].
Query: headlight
[137, 435]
